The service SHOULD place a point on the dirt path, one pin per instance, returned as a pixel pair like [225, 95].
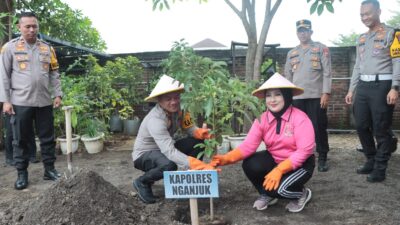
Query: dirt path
[340, 196]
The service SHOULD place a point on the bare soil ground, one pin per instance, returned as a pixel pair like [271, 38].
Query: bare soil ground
[101, 193]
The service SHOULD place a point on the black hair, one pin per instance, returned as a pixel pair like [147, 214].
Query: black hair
[375, 3]
[26, 14]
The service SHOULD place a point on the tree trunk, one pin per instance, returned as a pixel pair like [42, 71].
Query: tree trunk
[250, 60]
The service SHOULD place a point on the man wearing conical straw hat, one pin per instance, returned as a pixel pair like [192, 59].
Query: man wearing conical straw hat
[282, 170]
[159, 145]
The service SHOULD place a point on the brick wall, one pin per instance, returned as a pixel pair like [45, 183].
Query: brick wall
[343, 59]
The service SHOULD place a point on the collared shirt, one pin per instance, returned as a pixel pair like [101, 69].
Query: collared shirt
[373, 56]
[157, 132]
[310, 69]
[29, 73]
[296, 140]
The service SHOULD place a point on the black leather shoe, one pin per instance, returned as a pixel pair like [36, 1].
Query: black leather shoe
[376, 176]
[144, 192]
[322, 166]
[51, 174]
[22, 180]
[366, 168]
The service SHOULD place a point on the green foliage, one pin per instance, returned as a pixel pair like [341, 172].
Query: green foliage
[96, 95]
[3, 28]
[125, 75]
[319, 6]
[58, 20]
[210, 93]
[346, 40]
[93, 127]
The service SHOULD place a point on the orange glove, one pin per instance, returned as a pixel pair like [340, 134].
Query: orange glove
[228, 158]
[273, 178]
[201, 134]
[196, 164]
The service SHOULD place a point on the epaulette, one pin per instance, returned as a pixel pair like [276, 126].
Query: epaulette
[44, 42]
[14, 40]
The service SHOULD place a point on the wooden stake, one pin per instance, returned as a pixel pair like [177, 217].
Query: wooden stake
[68, 132]
[194, 213]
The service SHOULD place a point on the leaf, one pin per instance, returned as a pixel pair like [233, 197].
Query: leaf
[209, 107]
[313, 7]
[74, 119]
[329, 7]
[320, 9]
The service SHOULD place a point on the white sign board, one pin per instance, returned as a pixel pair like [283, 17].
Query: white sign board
[191, 184]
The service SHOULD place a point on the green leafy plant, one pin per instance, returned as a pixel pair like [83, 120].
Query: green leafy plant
[210, 92]
[125, 77]
[93, 127]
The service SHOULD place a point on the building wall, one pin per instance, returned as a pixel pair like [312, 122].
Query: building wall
[343, 59]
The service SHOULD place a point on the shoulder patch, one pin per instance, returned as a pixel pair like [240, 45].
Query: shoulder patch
[53, 60]
[395, 47]
[187, 121]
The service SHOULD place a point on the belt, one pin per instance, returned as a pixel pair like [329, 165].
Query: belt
[376, 77]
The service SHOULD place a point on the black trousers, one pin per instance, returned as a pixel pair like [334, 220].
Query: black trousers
[154, 163]
[258, 165]
[22, 127]
[319, 119]
[372, 111]
[31, 144]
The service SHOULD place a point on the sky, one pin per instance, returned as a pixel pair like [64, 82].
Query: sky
[130, 26]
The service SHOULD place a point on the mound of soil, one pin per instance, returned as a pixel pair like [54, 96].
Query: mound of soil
[86, 198]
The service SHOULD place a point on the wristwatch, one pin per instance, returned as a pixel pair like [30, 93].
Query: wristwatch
[396, 87]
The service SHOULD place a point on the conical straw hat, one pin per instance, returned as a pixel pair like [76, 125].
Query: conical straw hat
[165, 85]
[277, 81]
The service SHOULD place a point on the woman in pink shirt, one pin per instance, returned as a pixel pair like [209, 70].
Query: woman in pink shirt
[288, 163]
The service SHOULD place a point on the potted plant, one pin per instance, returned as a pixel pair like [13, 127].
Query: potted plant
[125, 75]
[93, 137]
[74, 95]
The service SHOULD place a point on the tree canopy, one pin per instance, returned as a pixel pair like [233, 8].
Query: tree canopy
[246, 13]
[58, 20]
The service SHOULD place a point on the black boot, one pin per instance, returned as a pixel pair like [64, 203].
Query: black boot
[376, 176]
[144, 191]
[22, 180]
[322, 165]
[393, 146]
[51, 174]
[367, 167]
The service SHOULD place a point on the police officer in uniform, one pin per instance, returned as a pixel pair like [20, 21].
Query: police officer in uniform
[375, 78]
[309, 66]
[30, 77]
